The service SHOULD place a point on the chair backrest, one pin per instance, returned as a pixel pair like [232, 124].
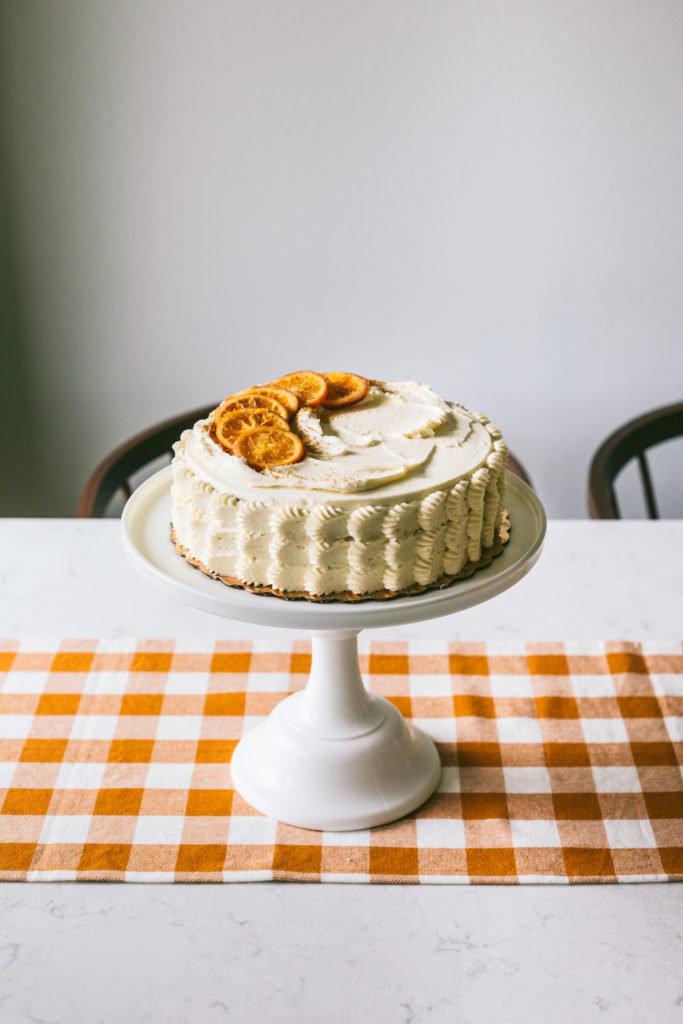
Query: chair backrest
[114, 473]
[629, 442]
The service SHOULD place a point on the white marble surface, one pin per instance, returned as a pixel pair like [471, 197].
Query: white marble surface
[267, 952]
[594, 580]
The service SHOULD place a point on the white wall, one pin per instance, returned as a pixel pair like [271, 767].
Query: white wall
[487, 196]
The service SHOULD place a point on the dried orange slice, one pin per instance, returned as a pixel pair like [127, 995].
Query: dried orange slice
[281, 395]
[269, 446]
[248, 401]
[345, 389]
[235, 421]
[309, 387]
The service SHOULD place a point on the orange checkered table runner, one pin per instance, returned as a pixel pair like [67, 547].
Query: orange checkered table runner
[560, 763]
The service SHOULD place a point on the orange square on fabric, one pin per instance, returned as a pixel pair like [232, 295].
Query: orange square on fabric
[209, 803]
[653, 754]
[43, 750]
[466, 705]
[201, 857]
[72, 661]
[231, 661]
[224, 703]
[391, 860]
[556, 707]
[16, 856]
[483, 754]
[402, 704]
[566, 755]
[389, 664]
[468, 664]
[215, 751]
[151, 661]
[484, 805]
[300, 663]
[118, 801]
[58, 704]
[299, 858]
[584, 862]
[104, 857]
[639, 707]
[483, 863]
[672, 859]
[577, 806]
[27, 801]
[141, 703]
[626, 661]
[548, 665]
[130, 751]
[6, 660]
[664, 805]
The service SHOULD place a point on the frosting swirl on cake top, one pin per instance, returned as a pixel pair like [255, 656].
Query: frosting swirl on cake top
[403, 438]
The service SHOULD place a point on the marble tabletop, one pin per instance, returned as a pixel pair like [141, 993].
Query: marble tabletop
[279, 952]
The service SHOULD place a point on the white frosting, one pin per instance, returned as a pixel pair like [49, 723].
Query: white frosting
[403, 434]
[399, 489]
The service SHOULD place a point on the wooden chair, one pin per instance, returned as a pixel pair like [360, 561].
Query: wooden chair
[630, 442]
[113, 475]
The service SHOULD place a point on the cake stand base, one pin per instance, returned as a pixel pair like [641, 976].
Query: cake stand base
[335, 756]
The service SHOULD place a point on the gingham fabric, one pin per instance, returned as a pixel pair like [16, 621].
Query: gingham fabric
[560, 764]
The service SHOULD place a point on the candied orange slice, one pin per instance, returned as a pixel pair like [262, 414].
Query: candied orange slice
[248, 401]
[345, 389]
[281, 395]
[309, 387]
[235, 421]
[269, 446]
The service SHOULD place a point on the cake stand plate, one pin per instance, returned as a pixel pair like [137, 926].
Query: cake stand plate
[333, 756]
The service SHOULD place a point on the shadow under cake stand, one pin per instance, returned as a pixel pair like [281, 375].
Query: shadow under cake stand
[334, 755]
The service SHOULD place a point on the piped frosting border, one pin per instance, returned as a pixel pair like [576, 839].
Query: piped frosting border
[322, 550]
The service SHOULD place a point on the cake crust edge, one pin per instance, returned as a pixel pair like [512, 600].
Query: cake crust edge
[501, 538]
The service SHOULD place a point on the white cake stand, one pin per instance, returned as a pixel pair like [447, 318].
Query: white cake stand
[333, 756]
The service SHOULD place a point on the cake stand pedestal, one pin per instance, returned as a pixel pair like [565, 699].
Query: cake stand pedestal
[332, 756]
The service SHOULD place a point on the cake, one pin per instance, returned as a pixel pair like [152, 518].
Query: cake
[333, 487]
